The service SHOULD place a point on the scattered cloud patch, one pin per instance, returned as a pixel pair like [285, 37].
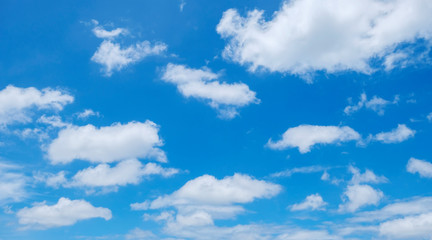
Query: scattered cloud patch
[290, 172]
[114, 58]
[249, 231]
[204, 84]
[51, 179]
[305, 136]
[411, 207]
[397, 135]
[86, 114]
[182, 5]
[140, 234]
[12, 184]
[125, 172]
[367, 177]
[412, 227]
[375, 104]
[332, 36]
[16, 103]
[107, 144]
[312, 202]
[429, 117]
[54, 121]
[360, 195]
[27, 133]
[423, 168]
[65, 212]
[100, 32]
[202, 200]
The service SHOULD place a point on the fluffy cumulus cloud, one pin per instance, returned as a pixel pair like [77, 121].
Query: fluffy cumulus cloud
[312, 202]
[423, 168]
[12, 183]
[113, 57]
[399, 209]
[126, 172]
[359, 195]
[375, 104]
[107, 144]
[205, 199]
[397, 135]
[313, 35]
[413, 227]
[405, 219]
[65, 212]
[16, 103]
[204, 84]
[210, 190]
[367, 177]
[305, 136]
[202, 200]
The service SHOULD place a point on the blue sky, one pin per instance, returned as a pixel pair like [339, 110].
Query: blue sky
[300, 119]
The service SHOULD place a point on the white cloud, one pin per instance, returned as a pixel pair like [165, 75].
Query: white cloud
[397, 135]
[86, 114]
[107, 144]
[312, 202]
[307, 235]
[375, 104]
[204, 199]
[15, 102]
[204, 84]
[50, 179]
[359, 195]
[100, 32]
[210, 190]
[38, 133]
[413, 227]
[305, 136]
[141, 206]
[356, 229]
[114, 58]
[313, 35]
[407, 219]
[182, 5]
[399, 209]
[140, 234]
[65, 212]
[54, 121]
[290, 172]
[12, 184]
[429, 116]
[423, 168]
[367, 177]
[125, 172]
[325, 176]
[249, 232]
[393, 60]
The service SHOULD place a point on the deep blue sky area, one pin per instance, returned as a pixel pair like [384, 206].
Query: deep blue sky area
[296, 119]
